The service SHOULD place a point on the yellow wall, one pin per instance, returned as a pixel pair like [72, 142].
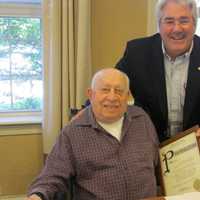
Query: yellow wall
[114, 22]
[21, 159]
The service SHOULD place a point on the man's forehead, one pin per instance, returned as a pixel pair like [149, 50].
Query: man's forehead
[112, 85]
[113, 80]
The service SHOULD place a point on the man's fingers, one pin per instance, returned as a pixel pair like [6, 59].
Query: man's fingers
[198, 132]
[33, 197]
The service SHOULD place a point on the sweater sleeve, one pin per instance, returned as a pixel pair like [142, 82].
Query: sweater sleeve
[58, 170]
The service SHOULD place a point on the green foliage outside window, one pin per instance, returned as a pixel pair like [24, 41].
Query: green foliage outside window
[20, 64]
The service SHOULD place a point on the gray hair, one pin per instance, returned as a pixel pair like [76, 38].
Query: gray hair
[189, 3]
[102, 72]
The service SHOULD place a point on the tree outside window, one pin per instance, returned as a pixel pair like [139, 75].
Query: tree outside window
[20, 64]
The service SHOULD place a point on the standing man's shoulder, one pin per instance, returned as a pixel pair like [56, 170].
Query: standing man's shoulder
[139, 55]
[196, 41]
[194, 57]
[196, 37]
[145, 42]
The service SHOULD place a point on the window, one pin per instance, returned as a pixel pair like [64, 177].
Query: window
[21, 84]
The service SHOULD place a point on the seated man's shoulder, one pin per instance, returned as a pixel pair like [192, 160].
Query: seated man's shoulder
[81, 117]
[75, 126]
[136, 110]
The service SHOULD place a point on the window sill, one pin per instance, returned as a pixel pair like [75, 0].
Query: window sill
[19, 120]
[20, 124]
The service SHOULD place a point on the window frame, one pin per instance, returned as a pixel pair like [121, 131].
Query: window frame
[20, 10]
[13, 118]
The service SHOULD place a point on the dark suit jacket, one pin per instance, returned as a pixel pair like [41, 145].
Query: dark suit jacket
[143, 62]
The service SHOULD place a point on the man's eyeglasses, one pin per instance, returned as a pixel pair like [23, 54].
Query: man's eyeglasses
[170, 21]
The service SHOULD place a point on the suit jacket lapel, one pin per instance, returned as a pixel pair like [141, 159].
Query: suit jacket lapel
[193, 82]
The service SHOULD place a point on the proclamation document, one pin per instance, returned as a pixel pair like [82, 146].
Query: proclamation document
[180, 163]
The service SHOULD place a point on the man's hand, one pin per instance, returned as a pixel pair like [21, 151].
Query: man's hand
[198, 135]
[33, 197]
[198, 132]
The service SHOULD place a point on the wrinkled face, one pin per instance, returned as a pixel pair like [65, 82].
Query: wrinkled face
[176, 28]
[109, 97]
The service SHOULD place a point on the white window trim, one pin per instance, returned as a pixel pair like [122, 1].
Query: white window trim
[12, 123]
[28, 129]
[24, 10]
[20, 123]
[16, 118]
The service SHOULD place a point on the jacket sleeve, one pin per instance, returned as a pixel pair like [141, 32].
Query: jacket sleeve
[122, 63]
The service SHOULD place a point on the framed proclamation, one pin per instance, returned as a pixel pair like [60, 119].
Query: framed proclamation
[180, 163]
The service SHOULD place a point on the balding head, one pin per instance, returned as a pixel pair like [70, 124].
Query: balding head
[109, 94]
[112, 72]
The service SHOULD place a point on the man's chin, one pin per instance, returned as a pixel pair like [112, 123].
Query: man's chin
[110, 119]
[177, 50]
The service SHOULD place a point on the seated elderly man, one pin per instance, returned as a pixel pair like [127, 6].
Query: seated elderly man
[110, 151]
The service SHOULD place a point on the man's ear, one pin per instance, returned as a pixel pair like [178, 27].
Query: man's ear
[129, 94]
[89, 93]
[130, 98]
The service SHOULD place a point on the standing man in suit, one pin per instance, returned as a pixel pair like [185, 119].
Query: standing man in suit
[164, 69]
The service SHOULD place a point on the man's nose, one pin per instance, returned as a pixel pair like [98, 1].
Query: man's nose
[112, 94]
[177, 25]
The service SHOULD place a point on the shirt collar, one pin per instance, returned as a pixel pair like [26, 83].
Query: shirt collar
[120, 121]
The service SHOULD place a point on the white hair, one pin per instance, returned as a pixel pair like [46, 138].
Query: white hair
[102, 72]
[189, 3]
